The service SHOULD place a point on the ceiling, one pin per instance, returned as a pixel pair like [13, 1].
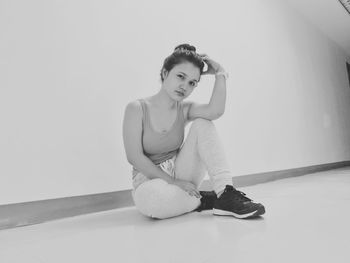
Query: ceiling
[329, 16]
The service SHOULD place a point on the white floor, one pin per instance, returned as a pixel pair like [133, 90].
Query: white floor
[307, 220]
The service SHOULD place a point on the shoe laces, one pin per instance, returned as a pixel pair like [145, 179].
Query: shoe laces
[237, 195]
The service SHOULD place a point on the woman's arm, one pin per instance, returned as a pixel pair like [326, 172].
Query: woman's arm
[143, 164]
[216, 106]
[218, 98]
[132, 132]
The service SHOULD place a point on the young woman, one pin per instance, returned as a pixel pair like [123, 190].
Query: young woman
[167, 171]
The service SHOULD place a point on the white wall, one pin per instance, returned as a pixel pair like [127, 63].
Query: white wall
[68, 69]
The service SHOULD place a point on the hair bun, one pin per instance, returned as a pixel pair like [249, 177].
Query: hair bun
[185, 47]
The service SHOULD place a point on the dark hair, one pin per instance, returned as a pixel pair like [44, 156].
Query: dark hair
[183, 53]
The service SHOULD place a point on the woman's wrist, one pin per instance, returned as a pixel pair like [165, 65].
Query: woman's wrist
[221, 72]
[171, 180]
[219, 69]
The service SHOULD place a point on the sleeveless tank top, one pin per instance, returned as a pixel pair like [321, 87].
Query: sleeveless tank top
[161, 146]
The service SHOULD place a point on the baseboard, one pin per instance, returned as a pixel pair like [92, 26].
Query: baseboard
[29, 213]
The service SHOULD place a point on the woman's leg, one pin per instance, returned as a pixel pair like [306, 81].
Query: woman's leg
[201, 151]
[203, 144]
[158, 199]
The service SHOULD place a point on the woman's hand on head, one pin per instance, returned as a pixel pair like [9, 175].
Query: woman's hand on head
[213, 66]
[188, 187]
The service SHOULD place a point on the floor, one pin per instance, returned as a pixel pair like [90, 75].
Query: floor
[307, 220]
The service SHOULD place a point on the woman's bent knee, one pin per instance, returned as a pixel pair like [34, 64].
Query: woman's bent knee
[202, 122]
[158, 199]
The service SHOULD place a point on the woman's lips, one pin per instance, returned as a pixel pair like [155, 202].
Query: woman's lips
[180, 93]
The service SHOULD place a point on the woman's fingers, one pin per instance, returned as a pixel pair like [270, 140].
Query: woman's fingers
[190, 188]
[205, 57]
[195, 193]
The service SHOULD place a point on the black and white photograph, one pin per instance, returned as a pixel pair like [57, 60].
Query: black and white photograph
[174, 131]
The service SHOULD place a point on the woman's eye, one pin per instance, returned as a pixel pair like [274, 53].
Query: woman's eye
[180, 76]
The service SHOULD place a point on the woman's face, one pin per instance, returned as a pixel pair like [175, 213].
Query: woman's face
[180, 81]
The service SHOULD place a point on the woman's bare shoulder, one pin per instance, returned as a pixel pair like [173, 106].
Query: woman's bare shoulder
[134, 104]
[133, 108]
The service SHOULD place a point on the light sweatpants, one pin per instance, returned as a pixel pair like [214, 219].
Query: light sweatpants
[201, 152]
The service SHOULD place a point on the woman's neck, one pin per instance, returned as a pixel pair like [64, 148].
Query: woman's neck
[163, 101]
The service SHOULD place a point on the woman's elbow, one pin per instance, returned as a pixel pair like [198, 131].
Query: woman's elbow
[133, 158]
[217, 115]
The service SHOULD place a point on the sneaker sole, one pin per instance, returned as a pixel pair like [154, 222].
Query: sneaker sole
[255, 213]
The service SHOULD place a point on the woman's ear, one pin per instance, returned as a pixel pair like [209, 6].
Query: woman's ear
[164, 73]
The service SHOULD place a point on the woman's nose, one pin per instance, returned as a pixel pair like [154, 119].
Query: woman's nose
[182, 87]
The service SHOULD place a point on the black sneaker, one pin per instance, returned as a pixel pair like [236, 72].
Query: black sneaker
[207, 200]
[235, 203]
